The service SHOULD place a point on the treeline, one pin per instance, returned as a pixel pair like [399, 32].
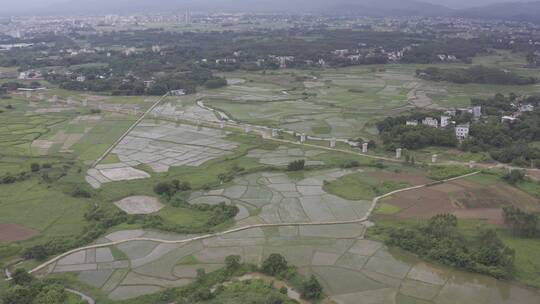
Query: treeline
[463, 49]
[177, 80]
[507, 142]
[24, 289]
[396, 134]
[521, 223]
[500, 104]
[439, 240]
[220, 287]
[476, 74]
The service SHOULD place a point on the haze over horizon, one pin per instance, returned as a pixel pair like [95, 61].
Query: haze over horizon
[37, 6]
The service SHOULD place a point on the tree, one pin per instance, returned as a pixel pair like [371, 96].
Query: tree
[275, 264]
[296, 165]
[520, 222]
[274, 299]
[312, 289]
[18, 295]
[232, 262]
[163, 188]
[201, 274]
[21, 277]
[514, 176]
[35, 167]
[51, 294]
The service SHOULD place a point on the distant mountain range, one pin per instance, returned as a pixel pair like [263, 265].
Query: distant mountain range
[510, 11]
[516, 11]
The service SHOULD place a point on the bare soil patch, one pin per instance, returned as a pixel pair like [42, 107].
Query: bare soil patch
[14, 232]
[139, 205]
[465, 199]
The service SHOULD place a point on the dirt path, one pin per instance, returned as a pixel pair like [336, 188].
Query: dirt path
[207, 236]
[129, 130]
[84, 297]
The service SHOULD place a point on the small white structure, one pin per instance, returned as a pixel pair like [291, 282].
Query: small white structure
[221, 125]
[398, 153]
[472, 164]
[412, 123]
[247, 128]
[526, 108]
[332, 143]
[508, 119]
[445, 121]
[85, 102]
[81, 78]
[178, 92]
[477, 112]
[275, 132]
[462, 131]
[365, 147]
[302, 138]
[434, 158]
[430, 122]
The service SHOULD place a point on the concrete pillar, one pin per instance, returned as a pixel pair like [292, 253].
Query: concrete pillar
[332, 143]
[398, 153]
[221, 125]
[302, 138]
[54, 99]
[247, 129]
[275, 132]
[85, 103]
[472, 163]
[434, 158]
[365, 147]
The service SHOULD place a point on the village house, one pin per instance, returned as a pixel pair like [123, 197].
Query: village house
[445, 121]
[462, 131]
[412, 123]
[430, 122]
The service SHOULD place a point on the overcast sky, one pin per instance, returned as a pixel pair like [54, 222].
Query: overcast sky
[10, 5]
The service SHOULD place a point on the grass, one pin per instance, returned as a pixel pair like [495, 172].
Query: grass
[360, 186]
[184, 216]
[387, 209]
[445, 172]
[531, 187]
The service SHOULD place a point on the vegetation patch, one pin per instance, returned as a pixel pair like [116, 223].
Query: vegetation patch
[360, 186]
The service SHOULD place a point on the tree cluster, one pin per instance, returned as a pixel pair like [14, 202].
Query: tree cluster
[476, 74]
[521, 223]
[24, 289]
[439, 240]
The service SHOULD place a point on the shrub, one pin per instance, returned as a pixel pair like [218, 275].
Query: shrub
[311, 289]
[275, 264]
[514, 177]
[35, 167]
[296, 165]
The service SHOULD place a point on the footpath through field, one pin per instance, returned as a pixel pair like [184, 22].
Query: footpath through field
[207, 236]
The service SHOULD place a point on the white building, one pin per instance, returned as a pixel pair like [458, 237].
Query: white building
[462, 131]
[508, 119]
[81, 78]
[477, 112]
[412, 123]
[526, 108]
[431, 122]
[445, 121]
